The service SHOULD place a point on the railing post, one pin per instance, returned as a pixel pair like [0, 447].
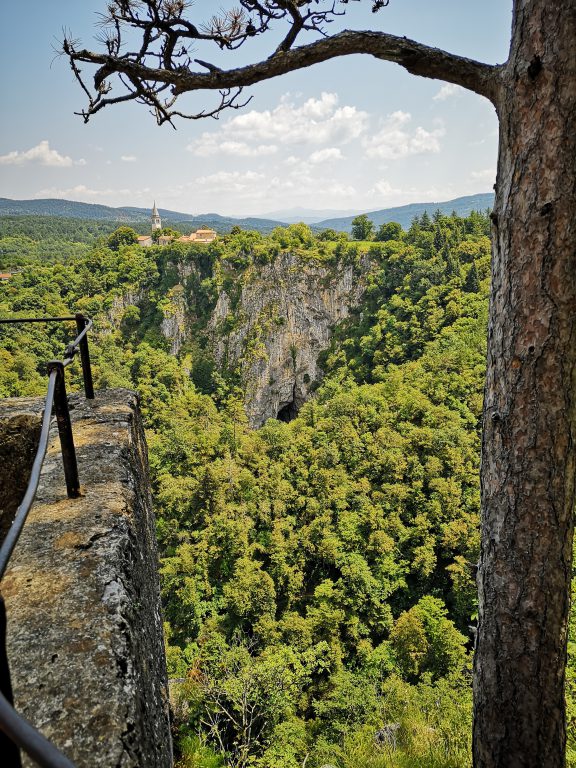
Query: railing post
[85, 358]
[9, 751]
[65, 431]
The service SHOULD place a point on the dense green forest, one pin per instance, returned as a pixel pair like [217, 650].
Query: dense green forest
[24, 239]
[318, 575]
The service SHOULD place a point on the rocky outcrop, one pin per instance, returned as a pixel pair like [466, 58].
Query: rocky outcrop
[120, 303]
[269, 322]
[85, 638]
[276, 329]
[173, 325]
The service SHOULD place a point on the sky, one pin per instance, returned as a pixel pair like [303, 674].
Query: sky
[347, 135]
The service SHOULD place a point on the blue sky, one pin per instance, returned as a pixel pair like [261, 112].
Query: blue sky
[350, 134]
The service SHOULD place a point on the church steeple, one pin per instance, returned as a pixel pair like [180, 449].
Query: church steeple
[156, 222]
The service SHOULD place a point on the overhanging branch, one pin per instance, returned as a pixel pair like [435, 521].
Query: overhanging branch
[416, 58]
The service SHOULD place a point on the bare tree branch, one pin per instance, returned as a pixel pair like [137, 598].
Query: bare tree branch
[163, 61]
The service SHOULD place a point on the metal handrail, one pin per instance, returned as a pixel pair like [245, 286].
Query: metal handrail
[22, 512]
[15, 731]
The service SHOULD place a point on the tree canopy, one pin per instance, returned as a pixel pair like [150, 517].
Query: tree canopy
[316, 575]
[362, 227]
[529, 435]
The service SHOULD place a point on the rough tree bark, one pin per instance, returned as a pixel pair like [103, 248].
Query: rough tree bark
[529, 438]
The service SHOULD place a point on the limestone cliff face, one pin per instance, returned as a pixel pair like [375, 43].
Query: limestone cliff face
[269, 322]
[121, 303]
[173, 325]
[281, 322]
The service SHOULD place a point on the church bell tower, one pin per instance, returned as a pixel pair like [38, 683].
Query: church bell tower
[156, 222]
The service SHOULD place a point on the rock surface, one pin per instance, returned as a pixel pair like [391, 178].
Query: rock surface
[19, 435]
[283, 320]
[84, 627]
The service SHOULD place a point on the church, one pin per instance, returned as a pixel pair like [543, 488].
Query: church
[200, 236]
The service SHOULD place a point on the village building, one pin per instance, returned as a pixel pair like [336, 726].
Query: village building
[200, 236]
[156, 220]
[7, 276]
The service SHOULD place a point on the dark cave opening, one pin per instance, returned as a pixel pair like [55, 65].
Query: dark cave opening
[288, 412]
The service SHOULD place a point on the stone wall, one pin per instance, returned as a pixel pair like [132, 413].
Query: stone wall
[85, 635]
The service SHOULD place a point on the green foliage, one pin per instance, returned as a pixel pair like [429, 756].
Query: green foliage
[415, 290]
[424, 640]
[472, 282]
[331, 235]
[196, 754]
[122, 236]
[294, 236]
[316, 574]
[62, 229]
[16, 251]
[362, 227]
[390, 231]
[165, 232]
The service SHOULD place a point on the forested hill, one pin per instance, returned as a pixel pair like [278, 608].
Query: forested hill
[53, 238]
[318, 573]
[461, 206]
[127, 215]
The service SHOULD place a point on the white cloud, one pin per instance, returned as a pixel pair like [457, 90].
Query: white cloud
[307, 183]
[128, 158]
[325, 155]
[383, 189]
[41, 154]
[210, 144]
[231, 180]
[81, 191]
[316, 121]
[447, 90]
[303, 184]
[396, 140]
[337, 191]
[488, 174]
[302, 188]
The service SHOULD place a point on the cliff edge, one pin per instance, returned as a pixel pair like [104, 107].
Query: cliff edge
[85, 638]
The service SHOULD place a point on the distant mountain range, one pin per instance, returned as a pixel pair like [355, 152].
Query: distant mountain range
[405, 213]
[133, 215]
[128, 214]
[307, 215]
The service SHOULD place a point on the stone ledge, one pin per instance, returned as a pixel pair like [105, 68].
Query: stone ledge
[84, 625]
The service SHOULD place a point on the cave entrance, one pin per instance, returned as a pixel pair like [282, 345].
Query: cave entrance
[288, 412]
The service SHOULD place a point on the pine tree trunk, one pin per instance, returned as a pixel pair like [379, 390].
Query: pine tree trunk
[529, 441]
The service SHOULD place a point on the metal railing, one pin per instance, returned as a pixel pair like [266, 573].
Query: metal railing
[15, 732]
